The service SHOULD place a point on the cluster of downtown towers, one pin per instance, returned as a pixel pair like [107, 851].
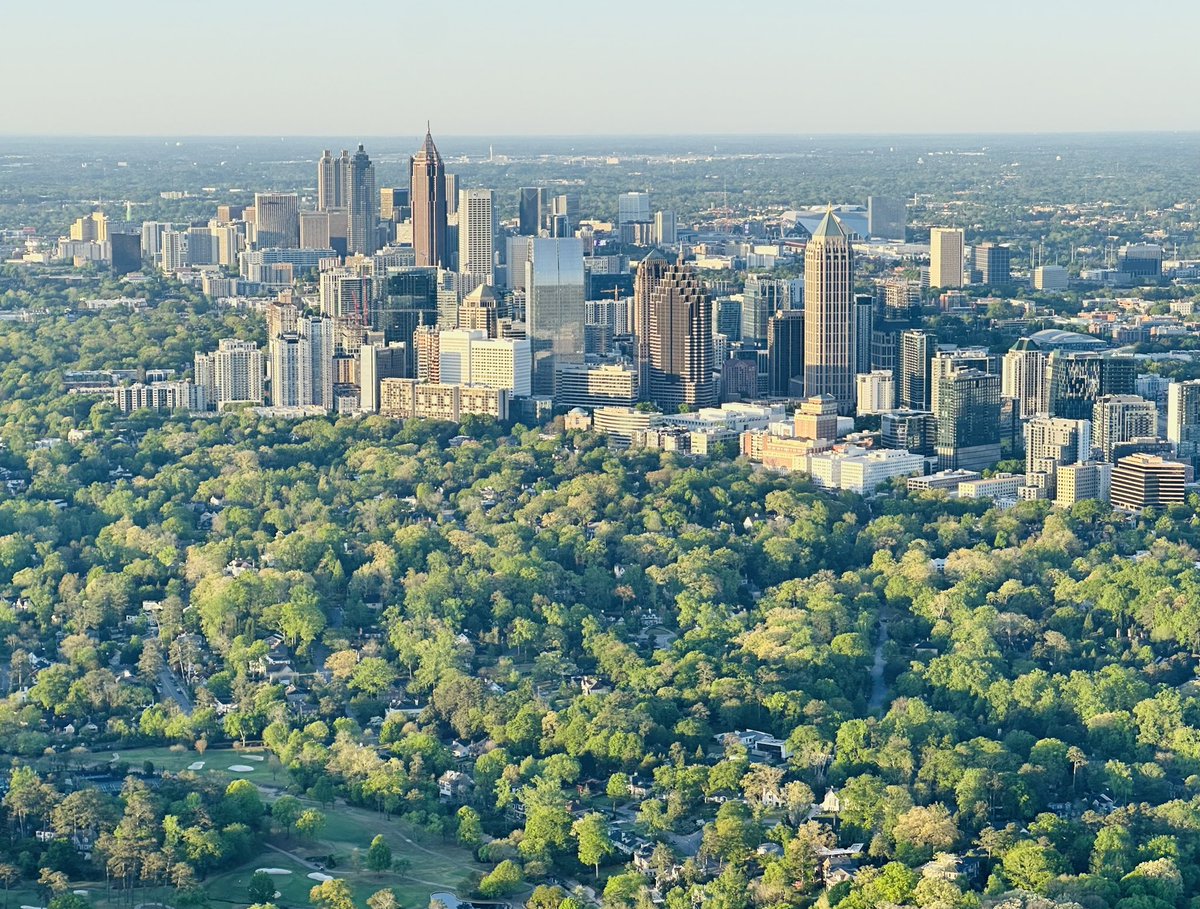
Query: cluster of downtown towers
[673, 341]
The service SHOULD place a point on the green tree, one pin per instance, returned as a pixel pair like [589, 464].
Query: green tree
[261, 888]
[595, 844]
[332, 894]
[379, 855]
[470, 830]
[503, 880]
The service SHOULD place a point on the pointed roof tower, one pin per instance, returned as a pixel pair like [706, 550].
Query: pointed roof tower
[830, 227]
[428, 150]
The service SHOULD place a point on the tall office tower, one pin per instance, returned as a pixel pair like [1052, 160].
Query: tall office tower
[915, 387]
[330, 181]
[1023, 377]
[1074, 381]
[785, 352]
[665, 232]
[554, 306]
[946, 362]
[426, 356]
[361, 204]
[375, 363]
[393, 204]
[864, 324]
[1183, 420]
[451, 194]
[1147, 481]
[479, 310]
[429, 206]
[829, 344]
[530, 212]
[233, 373]
[946, 257]
[633, 208]
[277, 216]
[761, 299]
[411, 301]
[173, 250]
[681, 341]
[886, 217]
[229, 243]
[477, 232]
[314, 230]
[649, 275]
[728, 313]
[1117, 419]
[993, 263]
[968, 420]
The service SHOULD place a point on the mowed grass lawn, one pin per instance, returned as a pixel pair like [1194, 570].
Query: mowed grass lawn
[432, 864]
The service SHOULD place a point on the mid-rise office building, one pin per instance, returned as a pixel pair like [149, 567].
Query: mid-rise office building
[1147, 481]
[946, 247]
[913, 430]
[592, 386]
[993, 264]
[816, 417]
[1051, 277]
[411, 301]
[1079, 482]
[1051, 442]
[480, 309]
[829, 343]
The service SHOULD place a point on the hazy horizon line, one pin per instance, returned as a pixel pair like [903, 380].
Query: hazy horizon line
[630, 135]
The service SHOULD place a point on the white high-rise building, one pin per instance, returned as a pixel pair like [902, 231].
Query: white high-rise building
[946, 250]
[233, 373]
[301, 364]
[477, 236]
[1183, 419]
[454, 355]
[1121, 418]
[876, 392]
[173, 250]
[285, 356]
[1023, 376]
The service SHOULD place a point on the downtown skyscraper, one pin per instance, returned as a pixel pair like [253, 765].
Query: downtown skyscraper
[650, 272]
[477, 230]
[362, 204]
[829, 344]
[428, 197]
[681, 341]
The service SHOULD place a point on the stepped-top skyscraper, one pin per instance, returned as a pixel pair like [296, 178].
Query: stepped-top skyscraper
[361, 204]
[650, 273]
[428, 196]
[681, 341]
[829, 347]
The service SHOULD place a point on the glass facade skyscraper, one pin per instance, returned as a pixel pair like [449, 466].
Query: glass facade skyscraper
[554, 306]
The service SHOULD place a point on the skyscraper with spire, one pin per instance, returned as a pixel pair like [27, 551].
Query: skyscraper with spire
[428, 196]
[829, 344]
[361, 204]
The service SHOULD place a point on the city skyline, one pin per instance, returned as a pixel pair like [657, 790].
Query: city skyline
[883, 89]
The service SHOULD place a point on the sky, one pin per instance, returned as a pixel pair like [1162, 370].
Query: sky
[564, 67]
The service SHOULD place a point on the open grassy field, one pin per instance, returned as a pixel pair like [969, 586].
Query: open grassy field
[432, 864]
